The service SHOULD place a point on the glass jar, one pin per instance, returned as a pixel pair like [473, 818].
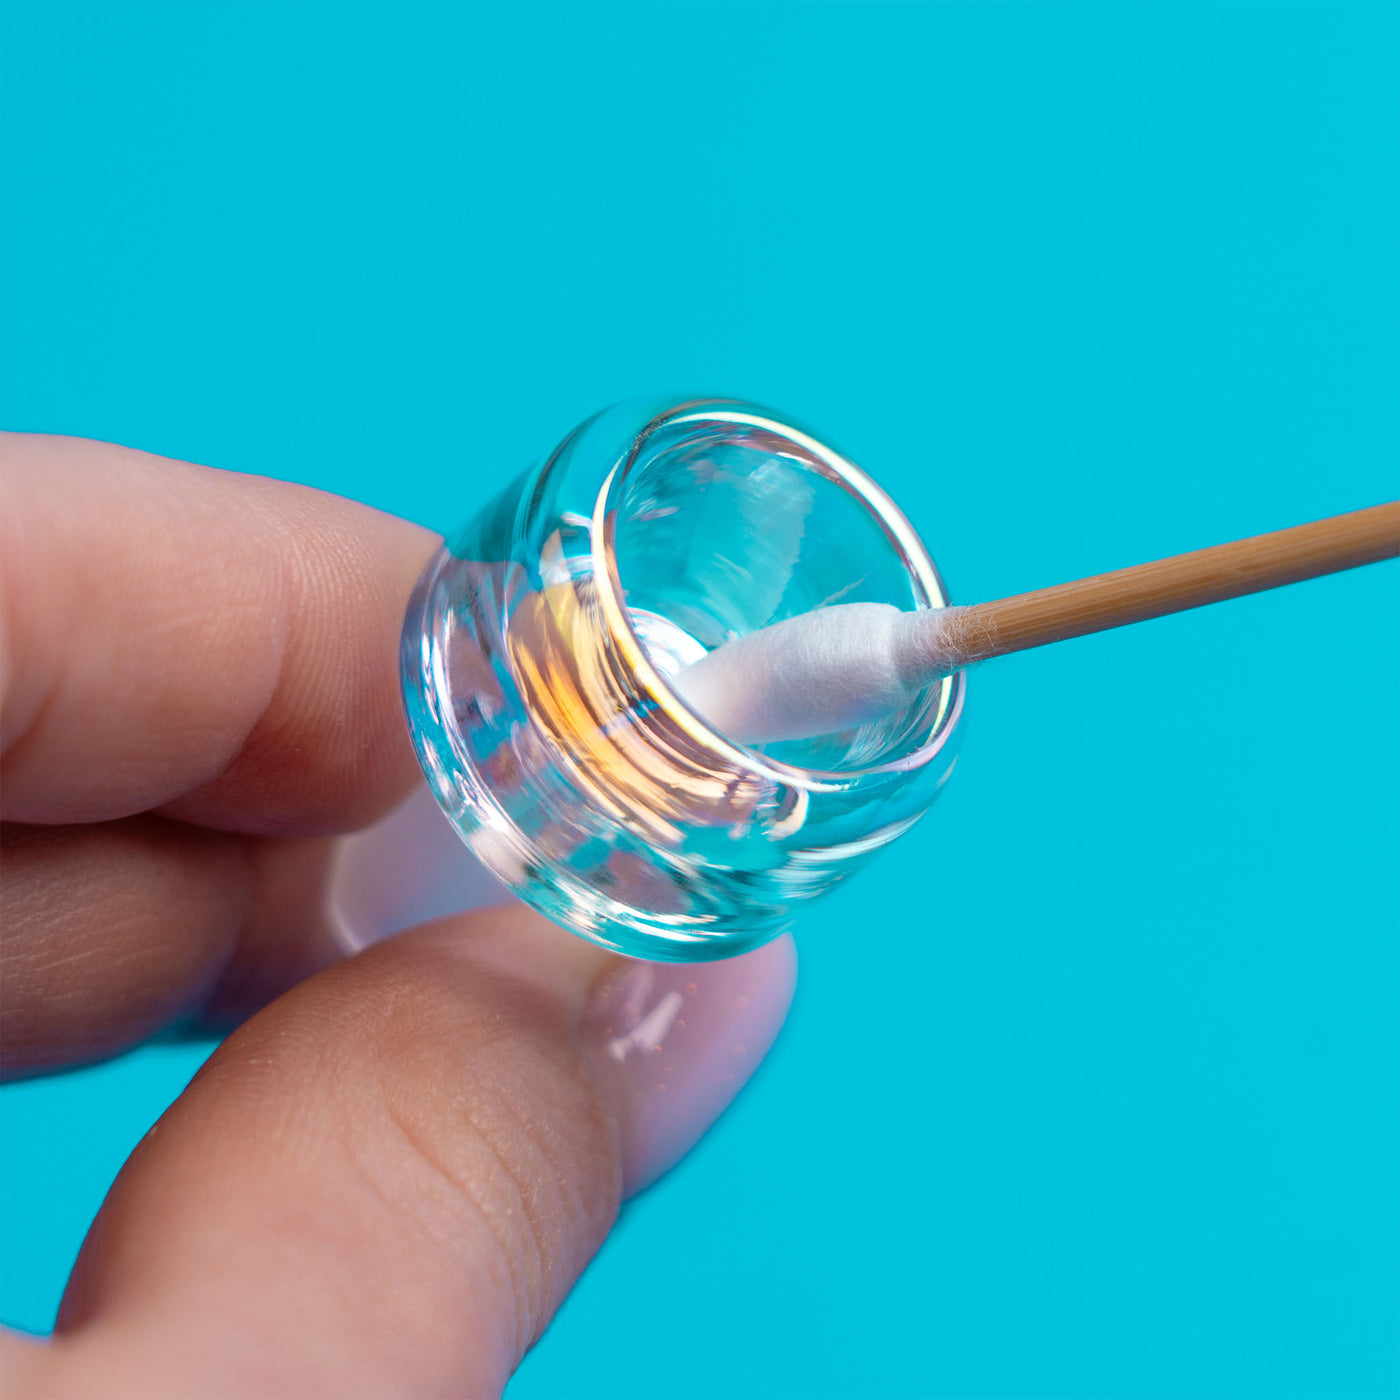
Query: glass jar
[539, 649]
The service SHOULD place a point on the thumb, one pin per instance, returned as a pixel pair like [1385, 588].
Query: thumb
[386, 1182]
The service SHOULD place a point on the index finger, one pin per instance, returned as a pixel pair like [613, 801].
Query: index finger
[217, 646]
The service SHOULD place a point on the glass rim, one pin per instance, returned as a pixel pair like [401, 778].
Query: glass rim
[901, 535]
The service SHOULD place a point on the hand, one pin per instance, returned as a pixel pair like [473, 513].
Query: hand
[386, 1180]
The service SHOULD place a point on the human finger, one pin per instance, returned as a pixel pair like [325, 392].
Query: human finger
[217, 645]
[385, 1183]
[117, 930]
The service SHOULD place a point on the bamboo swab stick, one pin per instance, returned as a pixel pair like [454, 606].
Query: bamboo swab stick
[842, 666]
[1163, 586]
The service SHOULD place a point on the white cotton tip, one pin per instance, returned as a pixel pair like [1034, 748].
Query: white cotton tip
[820, 672]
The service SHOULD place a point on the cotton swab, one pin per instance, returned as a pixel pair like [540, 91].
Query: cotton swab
[839, 667]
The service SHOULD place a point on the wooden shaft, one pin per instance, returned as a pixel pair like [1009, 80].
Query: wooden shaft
[1175, 584]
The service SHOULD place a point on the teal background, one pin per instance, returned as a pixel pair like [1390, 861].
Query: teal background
[1091, 1086]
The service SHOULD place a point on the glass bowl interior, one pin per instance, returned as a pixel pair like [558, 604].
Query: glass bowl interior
[721, 522]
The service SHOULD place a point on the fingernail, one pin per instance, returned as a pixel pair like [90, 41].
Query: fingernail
[676, 1042]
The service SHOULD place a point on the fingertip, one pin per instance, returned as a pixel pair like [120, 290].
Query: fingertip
[219, 646]
[393, 1175]
[678, 1042]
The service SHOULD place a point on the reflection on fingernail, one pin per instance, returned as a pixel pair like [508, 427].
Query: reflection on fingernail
[677, 1042]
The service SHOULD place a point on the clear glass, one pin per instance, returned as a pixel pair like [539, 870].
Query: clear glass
[537, 653]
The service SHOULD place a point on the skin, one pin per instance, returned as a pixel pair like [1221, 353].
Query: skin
[387, 1178]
